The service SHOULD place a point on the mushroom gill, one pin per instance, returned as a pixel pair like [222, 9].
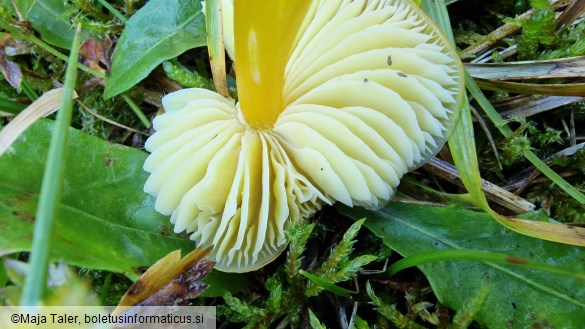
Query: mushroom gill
[337, 101]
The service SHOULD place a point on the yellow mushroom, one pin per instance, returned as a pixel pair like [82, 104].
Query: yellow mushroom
[337, 101]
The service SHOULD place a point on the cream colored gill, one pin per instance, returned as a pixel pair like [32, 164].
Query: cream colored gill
[338, 100]
[229, 186]
[264, 36]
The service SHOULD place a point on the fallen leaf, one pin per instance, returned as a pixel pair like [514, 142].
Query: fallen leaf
[93, 52]
[170, 281]
[11, 71]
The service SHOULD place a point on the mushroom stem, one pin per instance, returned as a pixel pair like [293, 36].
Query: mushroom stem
[265, 34]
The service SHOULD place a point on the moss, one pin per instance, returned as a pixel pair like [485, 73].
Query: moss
[540, 38]
[94, 18]
[114, 109]
[538, 31]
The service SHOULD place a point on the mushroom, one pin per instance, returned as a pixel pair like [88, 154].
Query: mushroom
[337, 101]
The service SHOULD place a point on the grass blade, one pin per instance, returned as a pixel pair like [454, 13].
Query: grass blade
[506, 131]
[51, 189]
[480, 256]
[136, 109]
[327, 285]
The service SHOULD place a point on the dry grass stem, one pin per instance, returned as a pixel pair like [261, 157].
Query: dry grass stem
[493, 192]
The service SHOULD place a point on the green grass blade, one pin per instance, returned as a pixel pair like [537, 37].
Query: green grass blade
[138, 111]
[437, 10]
[327, 285]
[51, 189]
[114, 11]
[506, 131]
[29, 91]
[479, 256]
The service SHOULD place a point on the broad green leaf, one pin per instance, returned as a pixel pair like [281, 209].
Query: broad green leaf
[518, 297]
[160, 30]
[106, 221]
[48, 18]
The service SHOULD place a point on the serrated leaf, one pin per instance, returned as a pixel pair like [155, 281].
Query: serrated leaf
[106, 221]
[518, 297]
[159, 31]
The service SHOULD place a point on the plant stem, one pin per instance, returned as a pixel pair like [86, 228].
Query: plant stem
[51, 188]
[145, 121]
[29, 91]
[114, 11]
[106, 287]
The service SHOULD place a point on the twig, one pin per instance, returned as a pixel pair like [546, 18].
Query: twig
[145, 121]
[488, 135]
[112, 122]
[571, 13]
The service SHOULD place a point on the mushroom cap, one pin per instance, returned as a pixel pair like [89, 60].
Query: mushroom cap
[370, 91]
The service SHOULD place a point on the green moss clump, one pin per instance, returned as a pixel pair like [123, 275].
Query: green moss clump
[538, 31]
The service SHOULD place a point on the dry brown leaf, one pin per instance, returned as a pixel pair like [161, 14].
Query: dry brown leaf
[11, 71]
[170, 281]
[93, 52]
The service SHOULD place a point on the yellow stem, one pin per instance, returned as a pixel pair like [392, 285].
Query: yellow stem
[264, 35]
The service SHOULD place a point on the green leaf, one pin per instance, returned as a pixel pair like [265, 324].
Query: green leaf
[314, 321]
[3, 275]
[159, 31]
[48, 18]
[328, 285]
[518, 297]
[105, 220]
